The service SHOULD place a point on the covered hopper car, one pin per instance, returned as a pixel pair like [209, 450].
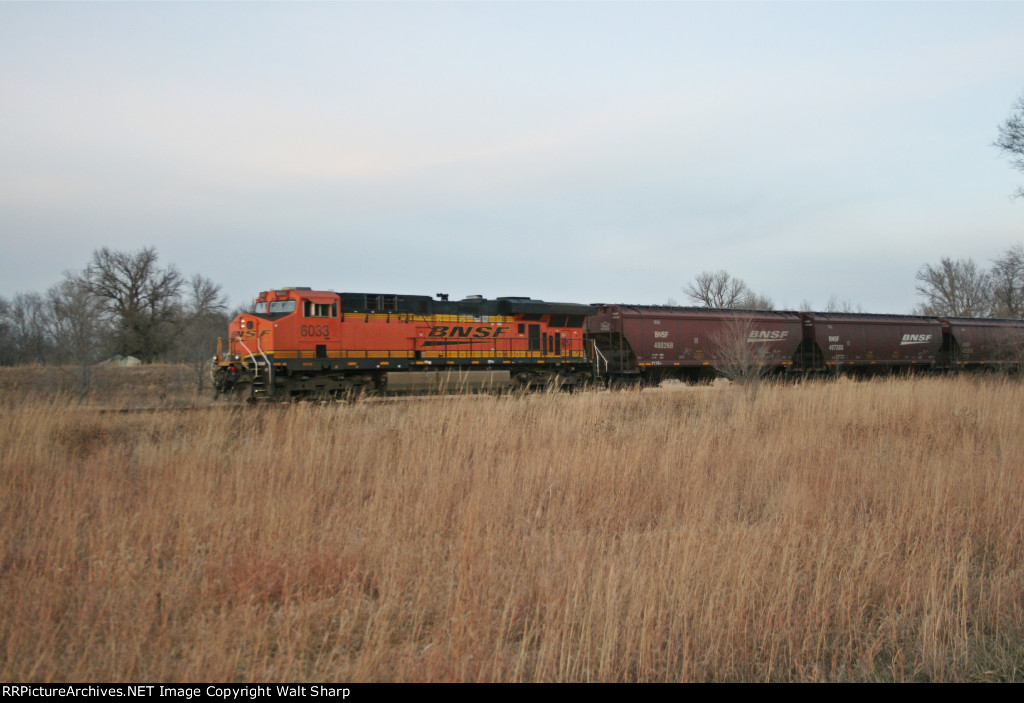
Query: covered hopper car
[642, 343]
[872, 342]
[979, 342]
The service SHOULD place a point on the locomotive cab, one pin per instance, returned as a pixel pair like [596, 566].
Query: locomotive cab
[279, 317]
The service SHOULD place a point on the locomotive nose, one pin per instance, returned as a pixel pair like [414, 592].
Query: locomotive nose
[249, 359]
[249, 336]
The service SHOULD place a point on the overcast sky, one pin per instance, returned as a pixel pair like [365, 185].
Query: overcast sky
[570, 151]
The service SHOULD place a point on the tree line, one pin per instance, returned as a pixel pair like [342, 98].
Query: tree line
[953, 287]
[720, 289]
[122, 303]
[961, 288]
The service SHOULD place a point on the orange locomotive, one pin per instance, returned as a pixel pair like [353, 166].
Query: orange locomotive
[299, 342]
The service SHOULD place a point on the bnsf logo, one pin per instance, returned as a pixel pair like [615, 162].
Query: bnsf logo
[767, 335]
[915, 339]
[251, 334]
[470, 331]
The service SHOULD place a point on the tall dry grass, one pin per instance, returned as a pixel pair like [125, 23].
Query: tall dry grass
[857, 531]
[149, 386]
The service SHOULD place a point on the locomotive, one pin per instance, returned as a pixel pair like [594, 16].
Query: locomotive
[299, 342]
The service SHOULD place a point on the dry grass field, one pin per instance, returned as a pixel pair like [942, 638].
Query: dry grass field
[813, 532]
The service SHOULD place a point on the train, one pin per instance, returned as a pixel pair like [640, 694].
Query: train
[300, 343]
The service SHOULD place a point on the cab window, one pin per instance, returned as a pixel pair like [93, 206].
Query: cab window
[311, 309]
[282, 306]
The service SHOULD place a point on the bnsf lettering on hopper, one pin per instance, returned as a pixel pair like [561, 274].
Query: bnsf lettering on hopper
[761, 335]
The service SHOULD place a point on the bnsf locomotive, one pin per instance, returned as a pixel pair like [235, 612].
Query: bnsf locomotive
[299, 342]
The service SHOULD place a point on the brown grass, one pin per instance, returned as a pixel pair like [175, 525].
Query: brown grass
[834, 531]
[148, 386]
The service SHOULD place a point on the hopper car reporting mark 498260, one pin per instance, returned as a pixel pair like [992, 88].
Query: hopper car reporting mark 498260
[299, 342]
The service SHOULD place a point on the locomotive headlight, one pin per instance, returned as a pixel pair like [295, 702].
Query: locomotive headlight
[237, 358]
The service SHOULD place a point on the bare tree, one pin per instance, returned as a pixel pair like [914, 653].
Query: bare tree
[1007, 284]
[717, 289]
[204, 319]
[205, 298]
[78, 328]
[28, 331]
[139, 298]
[739, 356]
[7, 351]
[834, 304]
[756, 301]
[1011, 139]
[956, 288]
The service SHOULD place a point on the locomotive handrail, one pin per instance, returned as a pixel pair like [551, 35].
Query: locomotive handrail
[247, 350]
[598, 358]
[270, 367]
[253, 356]
[259, 348]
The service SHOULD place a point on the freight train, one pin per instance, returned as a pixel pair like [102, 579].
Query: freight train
[299, 342]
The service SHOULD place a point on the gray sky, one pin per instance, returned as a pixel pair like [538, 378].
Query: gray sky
[567, 151]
